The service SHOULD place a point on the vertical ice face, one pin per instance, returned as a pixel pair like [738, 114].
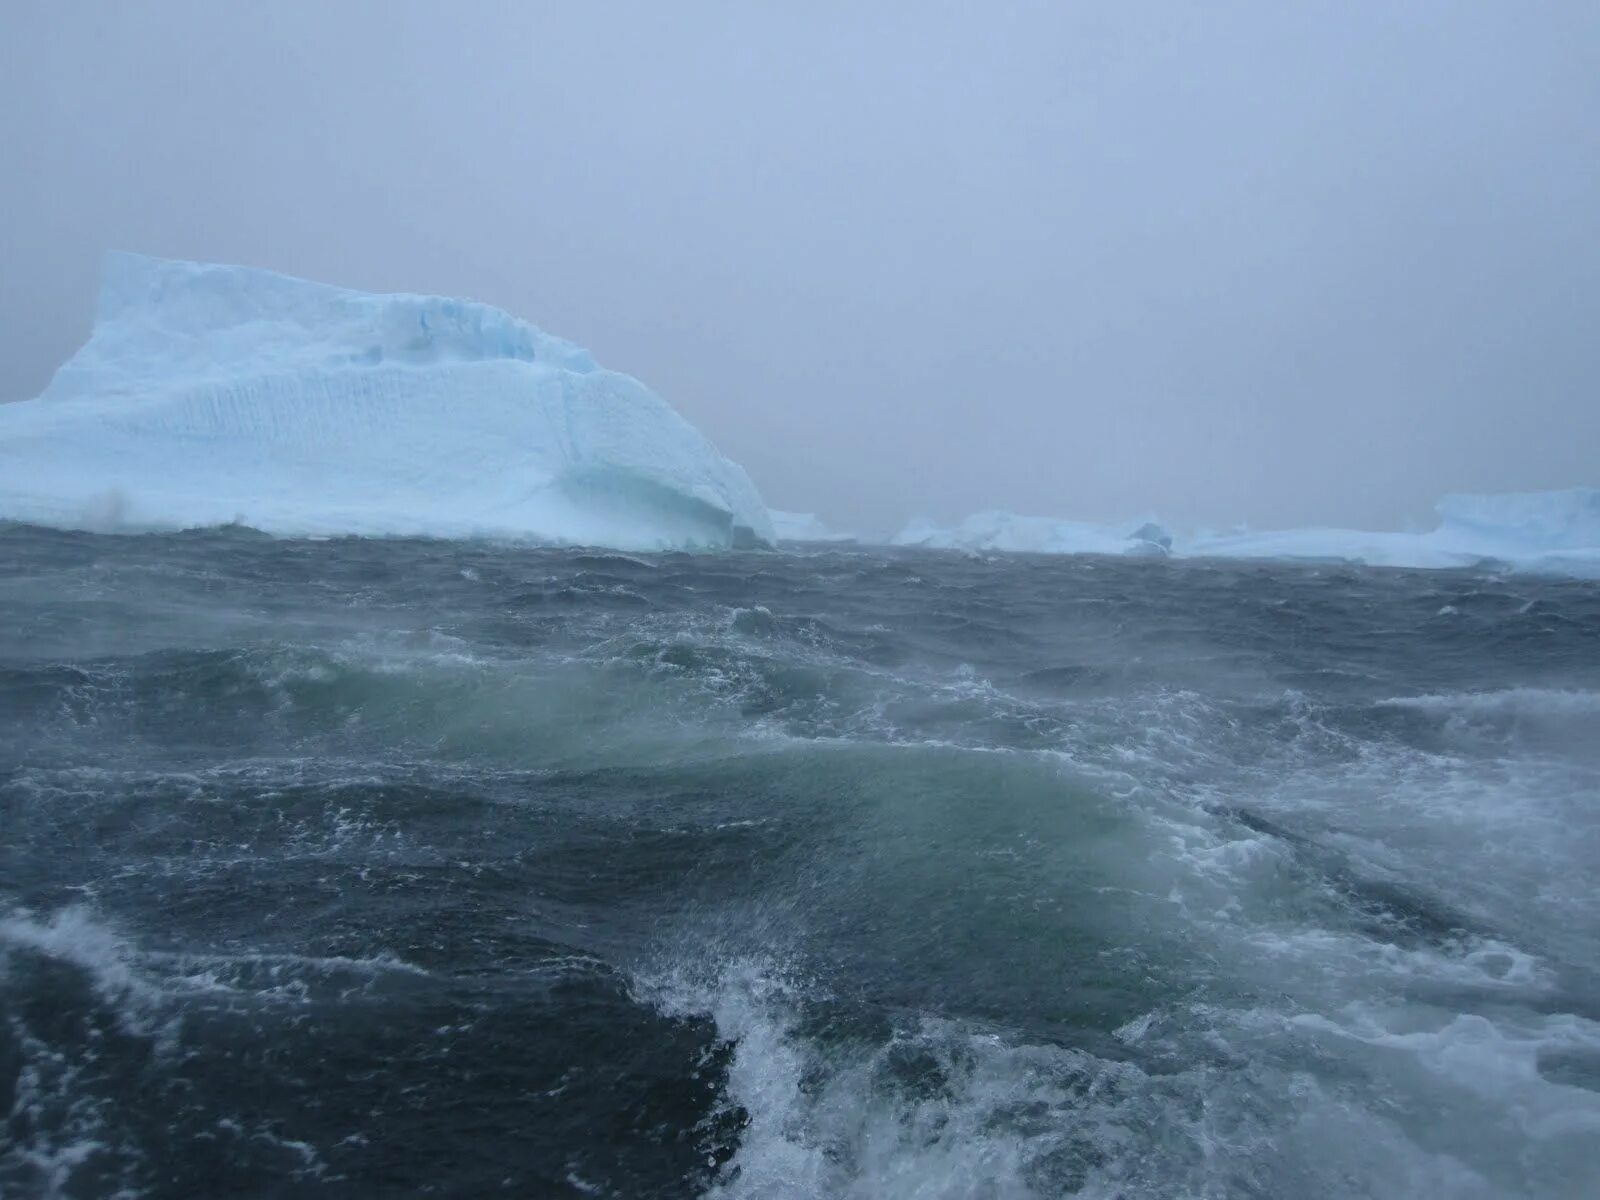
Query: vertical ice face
[210, 394]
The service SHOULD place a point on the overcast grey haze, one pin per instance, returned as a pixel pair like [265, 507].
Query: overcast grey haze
[1285, 264]
[431, 767]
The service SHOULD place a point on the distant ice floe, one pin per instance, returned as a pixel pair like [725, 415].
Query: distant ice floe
[1547, 532]
[1554, 532]
[804, 527]
[1037, 535]
[210, 395]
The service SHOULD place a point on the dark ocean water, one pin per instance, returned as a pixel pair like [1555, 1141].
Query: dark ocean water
[391, 868]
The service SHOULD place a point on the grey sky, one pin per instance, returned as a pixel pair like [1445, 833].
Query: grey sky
[1289, 263]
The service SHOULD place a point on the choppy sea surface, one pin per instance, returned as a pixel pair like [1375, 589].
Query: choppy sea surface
[390, 868]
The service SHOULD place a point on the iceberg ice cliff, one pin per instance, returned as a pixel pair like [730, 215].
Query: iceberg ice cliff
[215, 394]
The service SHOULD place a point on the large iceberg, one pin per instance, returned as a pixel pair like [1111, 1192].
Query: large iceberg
[216, 394]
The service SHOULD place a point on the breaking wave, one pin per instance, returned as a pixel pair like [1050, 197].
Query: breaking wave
[344, 867]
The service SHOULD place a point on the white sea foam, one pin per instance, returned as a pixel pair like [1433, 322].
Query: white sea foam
[1512, 702]
[1336, 906]
[940, 1108]
[57, 1127]
[76, 935]
[141, 985]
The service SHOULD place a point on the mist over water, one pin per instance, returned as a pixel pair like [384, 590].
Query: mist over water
[358, 867]
[1289, 265]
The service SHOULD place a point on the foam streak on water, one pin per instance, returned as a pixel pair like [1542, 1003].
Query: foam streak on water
[397, 867]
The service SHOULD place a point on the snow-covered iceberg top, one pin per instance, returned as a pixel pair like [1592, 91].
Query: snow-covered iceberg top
[804, 527]
[215, 394]
[1554, 532]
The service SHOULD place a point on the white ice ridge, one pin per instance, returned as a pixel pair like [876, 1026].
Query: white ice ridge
[804, 527]
[1552, 532]
[1037, 535]
[215, 394]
